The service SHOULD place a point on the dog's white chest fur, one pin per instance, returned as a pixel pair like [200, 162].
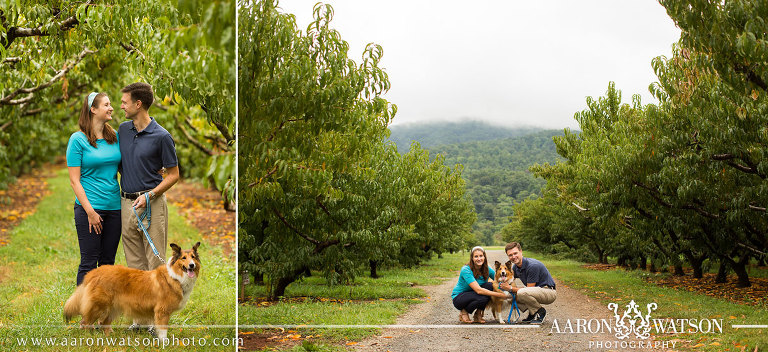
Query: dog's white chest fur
[187, 284]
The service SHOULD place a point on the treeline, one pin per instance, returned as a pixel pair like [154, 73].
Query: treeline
[497, 176]
[320, 186]
[434, 134]
[53, 53]
[681, 182]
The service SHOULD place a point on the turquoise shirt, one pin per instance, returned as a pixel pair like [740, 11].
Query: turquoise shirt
[466, 278]
[98, 170]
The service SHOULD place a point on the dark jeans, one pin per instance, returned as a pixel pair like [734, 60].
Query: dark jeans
[470, 300]
[96, 249]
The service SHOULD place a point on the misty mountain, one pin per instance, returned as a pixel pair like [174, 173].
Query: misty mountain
[441, 133]
[495, 168]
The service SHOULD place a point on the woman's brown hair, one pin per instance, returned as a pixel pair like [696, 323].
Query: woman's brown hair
[86, 122]
[479, 271]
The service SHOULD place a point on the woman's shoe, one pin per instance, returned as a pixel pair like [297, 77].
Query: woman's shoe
[479, 316]
[464, 317]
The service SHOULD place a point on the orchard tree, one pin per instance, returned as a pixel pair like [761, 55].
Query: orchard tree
[55, 52]
[319, 187]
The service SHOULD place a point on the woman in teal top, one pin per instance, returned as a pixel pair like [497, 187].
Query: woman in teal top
[474, 288]
[93, 156]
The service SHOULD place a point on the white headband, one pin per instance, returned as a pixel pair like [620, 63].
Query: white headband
[476, 248]
[91, 97]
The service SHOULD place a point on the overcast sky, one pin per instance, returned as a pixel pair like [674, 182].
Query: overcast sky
[508, 62]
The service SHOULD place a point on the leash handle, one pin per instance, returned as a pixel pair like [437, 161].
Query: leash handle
[147, 214]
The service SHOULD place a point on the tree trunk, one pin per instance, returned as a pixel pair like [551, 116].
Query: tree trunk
[679, 270]
[652, 267]
[373, 264]
[696, 263]
[283, 282]
[643, 263]
[740, 268]
[722, 272]
[601, 258]
[280, 286]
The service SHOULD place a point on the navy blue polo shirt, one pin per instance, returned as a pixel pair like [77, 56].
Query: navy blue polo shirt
[143, 155]
[533, 270]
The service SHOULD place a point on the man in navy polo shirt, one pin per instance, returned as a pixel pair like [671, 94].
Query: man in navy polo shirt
[146, 148]
[539, 286]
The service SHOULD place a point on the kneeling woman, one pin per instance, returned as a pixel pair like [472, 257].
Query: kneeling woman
[474, 289]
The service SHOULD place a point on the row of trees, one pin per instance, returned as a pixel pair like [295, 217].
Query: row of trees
[52, 53]
[320, 187]
[683, 181]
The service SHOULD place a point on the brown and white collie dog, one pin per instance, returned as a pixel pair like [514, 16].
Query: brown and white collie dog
[149, 297]
[504, 273]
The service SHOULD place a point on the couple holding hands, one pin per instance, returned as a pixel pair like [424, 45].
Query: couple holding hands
[474, 289]
[104, 209]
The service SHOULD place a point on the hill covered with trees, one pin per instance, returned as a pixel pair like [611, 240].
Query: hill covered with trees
[441, 133]
[495, 169]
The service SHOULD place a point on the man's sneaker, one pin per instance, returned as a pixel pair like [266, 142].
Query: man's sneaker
[538, 318]
[528, 319]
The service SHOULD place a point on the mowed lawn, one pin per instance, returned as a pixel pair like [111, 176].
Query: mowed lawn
[37, 275]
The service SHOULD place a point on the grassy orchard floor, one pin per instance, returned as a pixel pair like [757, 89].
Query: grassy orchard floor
[619, 285]
[367, 301]
[38, 268]
[380, 301]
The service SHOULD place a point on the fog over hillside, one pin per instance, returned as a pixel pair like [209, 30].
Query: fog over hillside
[452, 132]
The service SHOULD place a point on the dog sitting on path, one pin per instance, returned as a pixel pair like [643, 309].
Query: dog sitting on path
[149, 297]
[504, 273]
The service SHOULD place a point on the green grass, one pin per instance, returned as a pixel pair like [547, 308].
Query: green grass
[39, 265]
[393, 283]
[621, 286]
[359, 303]
[365, 302]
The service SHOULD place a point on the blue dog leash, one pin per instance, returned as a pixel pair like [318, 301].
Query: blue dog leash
[514, 307]
[147, 214]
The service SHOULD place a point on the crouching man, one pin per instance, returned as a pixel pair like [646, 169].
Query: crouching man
[540, 287]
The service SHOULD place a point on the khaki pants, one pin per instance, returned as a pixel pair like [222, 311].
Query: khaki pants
[138, 252]
[531, 298]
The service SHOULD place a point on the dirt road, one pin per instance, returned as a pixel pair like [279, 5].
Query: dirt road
[439, 310]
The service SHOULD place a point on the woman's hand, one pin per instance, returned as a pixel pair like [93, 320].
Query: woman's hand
[94, 222]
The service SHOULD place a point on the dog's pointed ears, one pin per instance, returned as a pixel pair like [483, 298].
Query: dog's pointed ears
[497, 265]
[176, 252]
[508, 264]
[194, 248]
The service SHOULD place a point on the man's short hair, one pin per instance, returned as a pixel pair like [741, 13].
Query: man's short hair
[512, 245]
[140, 91]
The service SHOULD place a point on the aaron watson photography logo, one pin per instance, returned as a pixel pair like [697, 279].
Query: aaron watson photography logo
[633, 327]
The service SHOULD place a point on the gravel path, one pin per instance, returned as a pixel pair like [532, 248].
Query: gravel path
[439, 310]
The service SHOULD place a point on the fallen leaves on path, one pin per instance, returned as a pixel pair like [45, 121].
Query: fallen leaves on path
[272, 339]
[20, 199]
[204, 208]
[755, 295]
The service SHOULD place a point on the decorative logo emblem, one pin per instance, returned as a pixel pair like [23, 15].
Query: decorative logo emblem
[632, 321]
